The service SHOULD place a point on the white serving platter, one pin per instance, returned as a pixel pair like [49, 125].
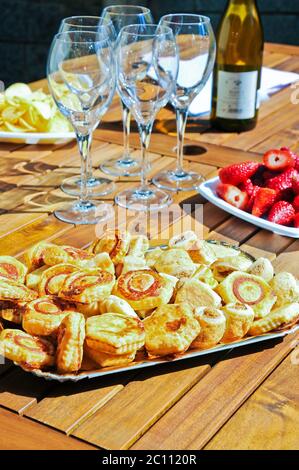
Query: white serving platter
[37, 137]
[142, 363]
[208, 191]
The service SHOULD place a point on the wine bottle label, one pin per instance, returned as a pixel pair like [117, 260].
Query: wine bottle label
[236, 96]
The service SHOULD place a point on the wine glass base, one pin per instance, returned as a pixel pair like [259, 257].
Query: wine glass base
[138, 199]
[173, 181]
[123, 167]
[96, 186]
[88, 213]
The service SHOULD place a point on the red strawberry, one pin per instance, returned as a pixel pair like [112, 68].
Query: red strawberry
[295, 183]
[252, 198]
[279, 159]
[263, 201]
[296, 203]
[296, 220]
[247, 186]
[282, 213]
[295, 156]
[236, 174]
[232, 195]
[284, 180]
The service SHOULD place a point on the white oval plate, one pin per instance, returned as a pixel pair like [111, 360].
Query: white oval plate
[37, 137]
[208, 191]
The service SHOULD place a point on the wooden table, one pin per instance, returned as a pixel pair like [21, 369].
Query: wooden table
[242, 399]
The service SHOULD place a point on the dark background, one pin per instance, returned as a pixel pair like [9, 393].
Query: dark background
[27, 26]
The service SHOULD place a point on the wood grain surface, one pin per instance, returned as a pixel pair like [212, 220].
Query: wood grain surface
[247, 398]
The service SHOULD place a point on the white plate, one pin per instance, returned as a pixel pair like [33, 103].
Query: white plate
[208, 190]
[37, 137]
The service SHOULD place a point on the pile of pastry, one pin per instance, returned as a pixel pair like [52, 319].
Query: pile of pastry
[64, 305]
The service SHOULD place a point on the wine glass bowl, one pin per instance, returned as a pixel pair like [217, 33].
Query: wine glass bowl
[81, 77]
[147, 66]
[121, 16]
[195, 43]
[97, 186]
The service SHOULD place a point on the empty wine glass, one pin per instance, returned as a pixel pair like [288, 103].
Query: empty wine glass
[196, 49]
[147, 66]
[81, 77]
[125, 15]
[97, 186]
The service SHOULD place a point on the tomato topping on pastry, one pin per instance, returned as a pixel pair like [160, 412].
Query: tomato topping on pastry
[139, 284]
[248, 291]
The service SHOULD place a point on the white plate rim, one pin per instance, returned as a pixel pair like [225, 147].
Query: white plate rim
[207, 190]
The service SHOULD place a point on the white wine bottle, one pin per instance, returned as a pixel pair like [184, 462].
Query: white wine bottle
[237, 72]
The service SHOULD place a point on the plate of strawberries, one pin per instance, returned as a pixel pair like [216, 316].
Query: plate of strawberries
[264, 193]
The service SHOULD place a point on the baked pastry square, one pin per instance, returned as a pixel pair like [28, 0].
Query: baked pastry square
[114, 242]
[109, 360]
[145, 289]
[197, 294]
[70, 341]
[43, 316]
[170, 330]
[11, 268]
[87, 286]
[114, 333]
[176, 262]
[29, 351]
[279, 319]
[224, 266]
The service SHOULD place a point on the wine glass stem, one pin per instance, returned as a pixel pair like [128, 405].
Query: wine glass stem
[84, 142]
[181, 119]
[126, 125]
[145, 134]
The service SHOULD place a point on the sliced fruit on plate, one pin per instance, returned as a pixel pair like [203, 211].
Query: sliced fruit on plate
[283, 180]
[279, 160]
[236, 174]
[248, 289]
[247, 186]
[263, 201]
[282, 213]
[232, 195]
[296, 220]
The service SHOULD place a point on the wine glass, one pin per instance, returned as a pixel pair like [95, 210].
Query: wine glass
[196, 49]
[97, 186]
[125, 15]
[81, 77]
[147, 66]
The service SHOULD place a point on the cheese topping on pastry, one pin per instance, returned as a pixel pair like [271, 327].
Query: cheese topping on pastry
[170, 330]
[197, 294]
